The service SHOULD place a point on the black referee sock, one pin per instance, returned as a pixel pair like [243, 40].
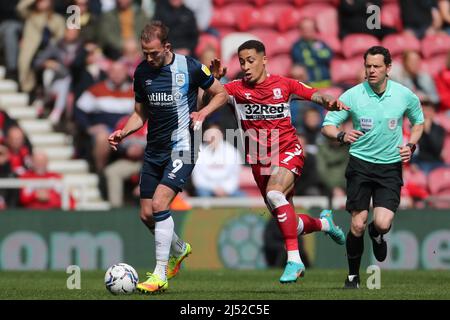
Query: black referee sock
[372, 230]
[355, 248]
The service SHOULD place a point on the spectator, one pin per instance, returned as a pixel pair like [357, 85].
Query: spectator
[101, 107]
[41, 198]
[88, 68]
[310, 184]
[420, 17]
[443, 86]
[312, 54]
[218, 167]
[8, 197]
[10, 32]
[332, 161]
[54, 64]
[182, 24]
[89, 21]
[203, 11]
[444, 10]
[353, 18]
[131, 56]
[131, 152]
[116, 26]
[42, 27]
[412, 77]
[432, 141]
[19, 152]
[310, 128]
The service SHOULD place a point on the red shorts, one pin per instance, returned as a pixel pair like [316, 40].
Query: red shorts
[291, 158]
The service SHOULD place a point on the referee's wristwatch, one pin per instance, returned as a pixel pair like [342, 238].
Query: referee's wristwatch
[340, 137]
[411, 146]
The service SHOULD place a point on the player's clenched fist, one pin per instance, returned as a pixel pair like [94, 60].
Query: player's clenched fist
[115, 138]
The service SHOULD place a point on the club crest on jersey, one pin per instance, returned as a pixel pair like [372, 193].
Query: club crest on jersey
[180, 79]
[277, 93]
[392, 124]
[148, 82]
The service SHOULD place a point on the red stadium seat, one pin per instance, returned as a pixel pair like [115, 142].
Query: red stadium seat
[417, 176]
[435, 44]
[256, 18]
[233, 67]
[332, 41]
[325, 15]
[207, 40]
[334, 3]
[391, 17]
[439, 181]
[435, 64]
[356, 44]
[247, 182]
[346, 71]
[443, 119]
[231, 43]
[280, 65]
[446, 149]
[275, 43]
[221, 3]
[290, 20]
[223, 18]
[332, 91]
[399, 42]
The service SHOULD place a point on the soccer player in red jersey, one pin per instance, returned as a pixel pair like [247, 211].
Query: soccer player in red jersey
[261, 103]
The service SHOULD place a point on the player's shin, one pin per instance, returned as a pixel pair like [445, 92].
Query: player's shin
[355, 248]
[164, 226]
[287, 221]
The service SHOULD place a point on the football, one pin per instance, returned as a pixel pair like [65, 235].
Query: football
[121, 278]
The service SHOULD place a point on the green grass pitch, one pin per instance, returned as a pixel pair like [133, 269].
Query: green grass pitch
[232, 285]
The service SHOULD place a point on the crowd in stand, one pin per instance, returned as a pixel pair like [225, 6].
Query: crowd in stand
[81, 80]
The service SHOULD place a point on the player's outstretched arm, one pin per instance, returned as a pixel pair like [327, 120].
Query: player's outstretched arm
[328, 102]
[219, 97]
[218, 71]
[134, 123]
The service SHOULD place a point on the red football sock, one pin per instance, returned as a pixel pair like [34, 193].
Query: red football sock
[287, 221]
[310, 224]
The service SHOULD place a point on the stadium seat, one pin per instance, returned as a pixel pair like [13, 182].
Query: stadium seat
[255, 18]
[391, 17]
[399, 42]
[357, 44]
[334, 3]
[446, 149]
[332, 41]
[275, 43]
[247, 182]
[417, 176]
[222, 3]
[327, 21]
[231, 42]
[443, 119]
[439, 181]
[233, 67]
[435, 44]
[435, 64]
[207, 40]
[280, 65]
[333, 91]
[290, 20]
[346, 71]
[222, 18]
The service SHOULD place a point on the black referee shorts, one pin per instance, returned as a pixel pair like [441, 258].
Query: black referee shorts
[381, 182]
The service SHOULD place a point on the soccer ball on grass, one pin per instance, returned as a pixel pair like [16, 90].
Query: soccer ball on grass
[121, 278]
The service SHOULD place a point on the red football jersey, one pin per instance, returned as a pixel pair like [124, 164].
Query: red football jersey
[264, 115]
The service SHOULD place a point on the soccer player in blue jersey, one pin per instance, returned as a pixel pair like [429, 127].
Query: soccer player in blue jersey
[166, 89]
